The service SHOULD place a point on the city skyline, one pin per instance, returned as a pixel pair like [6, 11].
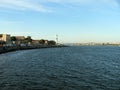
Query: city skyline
[73, 21]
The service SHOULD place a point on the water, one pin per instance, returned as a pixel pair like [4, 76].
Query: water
[68, 68]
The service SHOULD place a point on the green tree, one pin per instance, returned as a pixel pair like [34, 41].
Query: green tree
[1, 35]
[28, 39]
[13, 38]
[42, 41]
[51, 42]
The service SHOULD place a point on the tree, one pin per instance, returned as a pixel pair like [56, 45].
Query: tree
[1, 35]
[13, 38]
[28, 39]
[51, 42]
[2, 42]
[42, 41]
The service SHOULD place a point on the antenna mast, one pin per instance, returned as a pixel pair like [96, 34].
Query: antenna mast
[57, 39]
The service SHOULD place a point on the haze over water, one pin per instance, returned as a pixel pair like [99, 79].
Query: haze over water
[69, 68]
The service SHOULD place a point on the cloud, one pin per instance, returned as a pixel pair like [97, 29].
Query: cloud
[22, 5]
[108, 2]
[40, 5]
[75, 1]
[10, 22]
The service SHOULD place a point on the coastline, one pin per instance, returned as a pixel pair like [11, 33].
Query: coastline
[12, 49]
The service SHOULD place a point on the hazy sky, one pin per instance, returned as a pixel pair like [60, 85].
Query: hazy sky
[72, 20]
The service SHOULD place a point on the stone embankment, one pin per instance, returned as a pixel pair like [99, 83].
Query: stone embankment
[15, 48]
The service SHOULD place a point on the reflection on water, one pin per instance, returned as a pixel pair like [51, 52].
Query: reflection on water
[69, 68]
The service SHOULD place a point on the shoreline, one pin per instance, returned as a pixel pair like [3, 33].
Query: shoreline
[12, 49]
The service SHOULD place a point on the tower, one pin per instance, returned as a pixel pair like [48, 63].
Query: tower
[57, 39]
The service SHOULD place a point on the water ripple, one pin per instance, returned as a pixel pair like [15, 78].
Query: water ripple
[70, 68]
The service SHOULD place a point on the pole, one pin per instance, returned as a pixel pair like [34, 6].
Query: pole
[57, 39]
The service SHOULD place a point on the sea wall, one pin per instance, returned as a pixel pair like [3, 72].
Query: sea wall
[15, 48]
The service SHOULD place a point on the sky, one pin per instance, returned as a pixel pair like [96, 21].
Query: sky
[74, 21]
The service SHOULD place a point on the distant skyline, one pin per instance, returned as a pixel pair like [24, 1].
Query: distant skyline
[74, 21]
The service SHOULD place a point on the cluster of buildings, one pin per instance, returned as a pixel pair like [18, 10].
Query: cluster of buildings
[6, 39]
[95, 44]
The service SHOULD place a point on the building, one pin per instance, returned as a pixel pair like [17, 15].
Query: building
[19, 39]
[35, 41]
[46, 42]
[5, 38]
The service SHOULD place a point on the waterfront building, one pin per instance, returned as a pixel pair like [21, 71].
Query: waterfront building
[46, 42]
[35, 41]
[5, 38]
[19, 39]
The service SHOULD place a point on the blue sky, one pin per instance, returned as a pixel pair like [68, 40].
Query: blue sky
[73, 20]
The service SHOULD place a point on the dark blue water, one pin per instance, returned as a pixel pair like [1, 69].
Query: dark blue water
[68, 68]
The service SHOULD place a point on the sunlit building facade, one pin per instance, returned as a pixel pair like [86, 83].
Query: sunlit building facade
[5, 38]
